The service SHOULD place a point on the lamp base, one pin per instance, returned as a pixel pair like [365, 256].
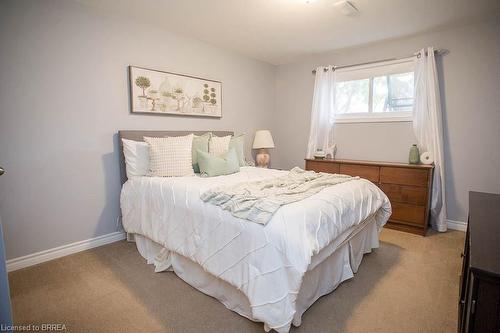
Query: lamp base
[262, 158]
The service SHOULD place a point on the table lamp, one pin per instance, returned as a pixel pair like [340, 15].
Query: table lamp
[263, 140]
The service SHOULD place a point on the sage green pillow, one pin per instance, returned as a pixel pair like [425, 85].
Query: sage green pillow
[238, 144]
[200, 143]
[217, 165]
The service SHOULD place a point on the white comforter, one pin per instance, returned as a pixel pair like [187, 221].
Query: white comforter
[266, 263]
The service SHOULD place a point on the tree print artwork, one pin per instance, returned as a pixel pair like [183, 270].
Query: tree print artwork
[209, 95]
[168, 93]
[143, 83]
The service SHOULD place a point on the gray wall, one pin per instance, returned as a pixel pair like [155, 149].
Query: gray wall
[63, 96]
[469, 75]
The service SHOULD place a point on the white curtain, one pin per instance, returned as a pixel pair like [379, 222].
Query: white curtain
[322, 113]
[428, 128]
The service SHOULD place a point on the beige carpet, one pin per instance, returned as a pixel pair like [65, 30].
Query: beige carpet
[409, 284]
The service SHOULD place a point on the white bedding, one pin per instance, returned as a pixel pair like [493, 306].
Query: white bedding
[266, 263]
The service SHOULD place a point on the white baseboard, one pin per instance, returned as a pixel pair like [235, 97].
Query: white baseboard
[61, 251]
[457, 225]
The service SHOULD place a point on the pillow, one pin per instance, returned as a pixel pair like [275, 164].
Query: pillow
[218, 144]
[212, 165]
[136, 157]
[170, 157]
[238, 144]
[200, 142]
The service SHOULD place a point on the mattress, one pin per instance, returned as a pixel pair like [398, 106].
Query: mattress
[267, 264]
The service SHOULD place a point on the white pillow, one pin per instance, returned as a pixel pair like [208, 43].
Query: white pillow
[171, 156]
[219, 144]
[136, 157]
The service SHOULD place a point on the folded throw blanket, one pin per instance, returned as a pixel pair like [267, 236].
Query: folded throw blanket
[258, 201]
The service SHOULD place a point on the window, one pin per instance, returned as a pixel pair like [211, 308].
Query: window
[376, 92]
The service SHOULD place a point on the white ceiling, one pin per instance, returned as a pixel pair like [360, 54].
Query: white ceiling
[280, 31]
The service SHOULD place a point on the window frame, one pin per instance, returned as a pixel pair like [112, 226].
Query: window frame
[372, 71]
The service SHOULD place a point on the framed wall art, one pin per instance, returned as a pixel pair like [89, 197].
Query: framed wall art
[159, 92]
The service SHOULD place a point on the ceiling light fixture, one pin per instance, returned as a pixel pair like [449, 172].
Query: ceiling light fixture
[347, 8]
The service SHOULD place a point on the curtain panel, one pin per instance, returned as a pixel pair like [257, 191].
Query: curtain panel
[322, 112]
[428, 128]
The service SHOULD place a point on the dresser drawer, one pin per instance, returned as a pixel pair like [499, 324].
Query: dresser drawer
[408, 213]
[404, 176]
[405, 194]
[364, 171]
[317, 166]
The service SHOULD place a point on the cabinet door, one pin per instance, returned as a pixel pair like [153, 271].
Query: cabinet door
[463, 284]
[487, 306]
[405, 194]
[406, 213]
[470, 304]
[404, 176]
[364, 171]
[328, 167]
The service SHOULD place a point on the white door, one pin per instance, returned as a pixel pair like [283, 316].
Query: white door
[5, 310]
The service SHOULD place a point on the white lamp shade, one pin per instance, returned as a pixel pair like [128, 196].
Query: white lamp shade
[263, 139]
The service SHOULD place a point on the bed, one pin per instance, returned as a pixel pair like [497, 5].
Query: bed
[268, 273]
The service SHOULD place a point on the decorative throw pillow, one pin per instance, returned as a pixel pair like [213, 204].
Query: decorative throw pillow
[170, 157]
[238, 144]
[200, 142]
[218, 144]
[136, 157]
[212, 165]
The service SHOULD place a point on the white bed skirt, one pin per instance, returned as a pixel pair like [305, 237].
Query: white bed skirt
[328, 269]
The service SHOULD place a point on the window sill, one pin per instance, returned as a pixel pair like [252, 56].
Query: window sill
[373, 120]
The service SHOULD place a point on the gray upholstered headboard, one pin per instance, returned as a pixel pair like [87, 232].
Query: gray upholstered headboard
[138, 135]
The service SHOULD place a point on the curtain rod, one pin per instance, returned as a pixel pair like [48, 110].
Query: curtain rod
[437, 52]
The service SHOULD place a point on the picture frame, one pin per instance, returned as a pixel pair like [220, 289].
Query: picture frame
[160, 92]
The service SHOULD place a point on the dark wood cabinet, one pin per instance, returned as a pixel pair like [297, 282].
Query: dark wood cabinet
[479, 302]
[408, 187]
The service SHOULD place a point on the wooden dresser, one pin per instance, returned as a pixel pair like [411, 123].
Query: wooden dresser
[408, 187]
[479, 303]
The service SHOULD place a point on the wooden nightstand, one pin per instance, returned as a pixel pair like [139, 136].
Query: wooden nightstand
[408, 186]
